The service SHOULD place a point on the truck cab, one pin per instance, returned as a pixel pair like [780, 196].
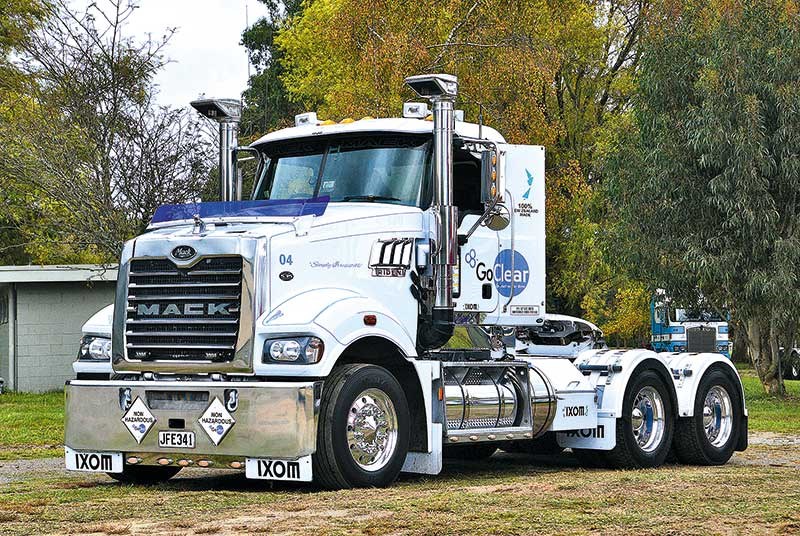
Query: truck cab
[687, 329]
[300, 335]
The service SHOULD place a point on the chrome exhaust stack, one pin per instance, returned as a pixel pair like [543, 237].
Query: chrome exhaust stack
[228, 113]
[441, 90]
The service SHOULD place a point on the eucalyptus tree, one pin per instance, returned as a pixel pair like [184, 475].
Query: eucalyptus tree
[706, 182]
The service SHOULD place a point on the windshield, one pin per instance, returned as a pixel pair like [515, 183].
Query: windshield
[385, 169]
[695, 315]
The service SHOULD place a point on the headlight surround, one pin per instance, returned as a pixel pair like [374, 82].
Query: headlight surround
[95, 349]
[293, 350]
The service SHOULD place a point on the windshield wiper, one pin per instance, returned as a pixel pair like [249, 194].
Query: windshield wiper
[370, 198]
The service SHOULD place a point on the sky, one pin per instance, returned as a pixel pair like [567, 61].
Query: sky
[205, 51]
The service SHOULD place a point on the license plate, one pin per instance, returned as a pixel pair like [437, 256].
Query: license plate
[175, 440]
[93, 462]
[298, 470]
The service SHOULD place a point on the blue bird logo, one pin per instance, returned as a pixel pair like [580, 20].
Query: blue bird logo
[530, 185]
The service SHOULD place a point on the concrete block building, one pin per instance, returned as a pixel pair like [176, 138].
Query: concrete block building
[42, 309]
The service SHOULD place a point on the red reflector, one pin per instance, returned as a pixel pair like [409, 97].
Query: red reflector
[370, 320]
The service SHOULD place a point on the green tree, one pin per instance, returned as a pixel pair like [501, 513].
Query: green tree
[87, 155]
[18, 18]
[266, 102]
[706, 183]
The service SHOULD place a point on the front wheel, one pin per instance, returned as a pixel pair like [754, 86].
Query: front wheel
[363, 430]
[644, 432]
[710, 437]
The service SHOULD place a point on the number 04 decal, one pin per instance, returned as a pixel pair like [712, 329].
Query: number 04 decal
[285, 259]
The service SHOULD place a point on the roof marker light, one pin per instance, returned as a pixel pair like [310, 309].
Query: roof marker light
[415, 110]
[306, 119]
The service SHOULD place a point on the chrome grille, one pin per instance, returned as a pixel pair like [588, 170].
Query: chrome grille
[701, 339]
[186, 314]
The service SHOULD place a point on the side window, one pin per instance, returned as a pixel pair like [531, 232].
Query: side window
[467, 187]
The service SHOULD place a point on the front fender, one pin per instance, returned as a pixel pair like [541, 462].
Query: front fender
[337, 317]
[100, 323]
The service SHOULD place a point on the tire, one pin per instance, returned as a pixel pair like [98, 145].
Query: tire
[478, 451]
[791, 369]
[144, 474]
[545, 445]
[711, 436]
[644, 437]
[354, 397]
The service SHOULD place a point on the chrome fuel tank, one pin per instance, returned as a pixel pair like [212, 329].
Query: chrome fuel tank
[485, 396]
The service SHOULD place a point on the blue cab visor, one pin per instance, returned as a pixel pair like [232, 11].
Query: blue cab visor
[242, 209]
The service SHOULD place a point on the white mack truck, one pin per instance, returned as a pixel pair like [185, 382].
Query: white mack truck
[301, 335]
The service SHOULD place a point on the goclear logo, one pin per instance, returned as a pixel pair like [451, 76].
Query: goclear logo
[184, 253]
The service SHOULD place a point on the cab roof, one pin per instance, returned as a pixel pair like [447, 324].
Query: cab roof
[394, 125]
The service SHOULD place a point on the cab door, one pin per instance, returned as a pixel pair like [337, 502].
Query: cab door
[476, 295]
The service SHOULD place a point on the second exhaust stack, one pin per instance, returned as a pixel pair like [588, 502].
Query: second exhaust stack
[441, 90]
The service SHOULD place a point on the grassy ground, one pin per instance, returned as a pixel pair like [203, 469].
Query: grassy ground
[767, 413]
[506, 495]
[31, 425]
[757, 492]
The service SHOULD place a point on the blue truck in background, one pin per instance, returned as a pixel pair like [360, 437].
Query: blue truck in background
[676, 329]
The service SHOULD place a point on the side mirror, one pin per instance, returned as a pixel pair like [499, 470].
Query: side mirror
[489, 176]
[498, 219]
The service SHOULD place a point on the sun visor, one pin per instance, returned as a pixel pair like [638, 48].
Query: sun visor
[242, 209]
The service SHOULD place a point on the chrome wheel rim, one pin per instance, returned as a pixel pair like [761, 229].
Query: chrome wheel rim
[718, 416]
[372, 430]
[647, 419]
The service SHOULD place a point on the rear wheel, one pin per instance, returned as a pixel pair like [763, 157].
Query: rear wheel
[144, 474]
[363, 430]
[644, 432]
[710, 437]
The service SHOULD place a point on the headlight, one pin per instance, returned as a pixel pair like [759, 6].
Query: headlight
[95, 348]
[294, 350]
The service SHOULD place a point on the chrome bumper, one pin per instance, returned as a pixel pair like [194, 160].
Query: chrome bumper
[273, 419]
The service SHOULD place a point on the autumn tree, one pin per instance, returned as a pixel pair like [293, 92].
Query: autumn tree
[556, 73]
[707, 180]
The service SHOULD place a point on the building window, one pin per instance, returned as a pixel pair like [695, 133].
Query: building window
[3, 310]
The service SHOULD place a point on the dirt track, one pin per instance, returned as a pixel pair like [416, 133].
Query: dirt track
[508, 494]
